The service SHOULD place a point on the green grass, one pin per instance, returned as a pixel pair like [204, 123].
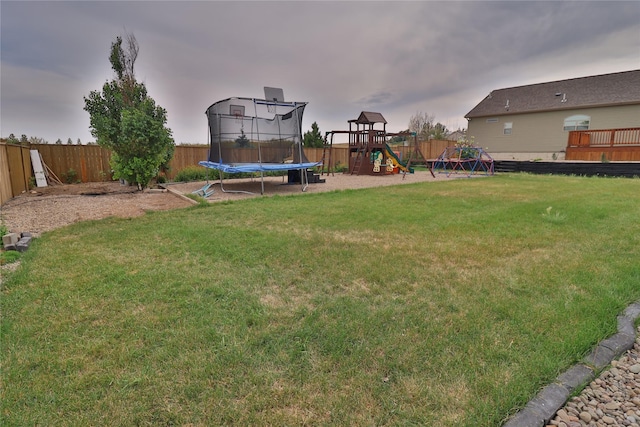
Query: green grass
[8, 257]
[443, 303]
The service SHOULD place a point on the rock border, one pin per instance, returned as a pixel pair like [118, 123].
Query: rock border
[543, 407]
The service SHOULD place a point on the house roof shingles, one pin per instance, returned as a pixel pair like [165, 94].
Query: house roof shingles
[584, 92]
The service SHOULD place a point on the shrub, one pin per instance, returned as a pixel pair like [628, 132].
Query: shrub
[70, 177]
[340, 168]
[3, 230]
[195, 173]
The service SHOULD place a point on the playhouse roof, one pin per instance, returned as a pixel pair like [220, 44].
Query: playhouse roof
[369, 118]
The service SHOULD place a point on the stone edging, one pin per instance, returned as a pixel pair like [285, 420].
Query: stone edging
[542, 408]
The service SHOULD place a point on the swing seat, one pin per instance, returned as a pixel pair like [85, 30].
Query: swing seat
[204, 191]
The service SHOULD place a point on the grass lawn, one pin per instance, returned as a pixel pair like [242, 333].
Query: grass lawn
[442, 303]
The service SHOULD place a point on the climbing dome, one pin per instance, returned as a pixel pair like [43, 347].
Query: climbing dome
[464, 160]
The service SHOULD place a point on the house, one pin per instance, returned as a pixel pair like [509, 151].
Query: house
[533, 122]
[456, 135]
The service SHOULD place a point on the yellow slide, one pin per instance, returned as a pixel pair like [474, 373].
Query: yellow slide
[396, 161]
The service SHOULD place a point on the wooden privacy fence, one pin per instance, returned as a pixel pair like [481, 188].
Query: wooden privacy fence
[185, 156]
[430, 149]
[15, 170]
[87, 163]
[84, 163]
[90, 163]
[610, 144]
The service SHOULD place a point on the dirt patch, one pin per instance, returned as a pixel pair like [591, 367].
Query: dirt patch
[48, 208]
[86, 189]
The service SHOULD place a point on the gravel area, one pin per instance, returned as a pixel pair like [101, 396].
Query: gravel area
[45, 209]
[613, 399]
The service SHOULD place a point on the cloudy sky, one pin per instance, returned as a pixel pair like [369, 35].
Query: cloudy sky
[396, 58]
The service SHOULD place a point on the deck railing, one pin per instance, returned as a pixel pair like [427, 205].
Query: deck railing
[600, 144]
[604, 137]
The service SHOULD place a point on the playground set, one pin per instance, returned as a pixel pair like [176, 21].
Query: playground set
[369, 150]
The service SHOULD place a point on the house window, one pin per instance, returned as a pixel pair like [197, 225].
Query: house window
[577, 122]
[492, 120]
[507, 128]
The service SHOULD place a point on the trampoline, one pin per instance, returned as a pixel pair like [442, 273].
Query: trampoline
[256, 135]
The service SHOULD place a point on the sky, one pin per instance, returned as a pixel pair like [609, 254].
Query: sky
[393, 57]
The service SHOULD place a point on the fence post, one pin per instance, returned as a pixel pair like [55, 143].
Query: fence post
[6, 191]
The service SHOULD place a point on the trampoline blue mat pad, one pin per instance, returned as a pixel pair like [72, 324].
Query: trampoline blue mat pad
[257, 167]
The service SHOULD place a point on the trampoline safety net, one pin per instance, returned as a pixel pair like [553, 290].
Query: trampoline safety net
[248, 131]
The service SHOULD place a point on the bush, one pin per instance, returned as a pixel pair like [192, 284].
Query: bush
[3, 230]
[70, 177]
[340, 168]
[199, 173]
[195, 173]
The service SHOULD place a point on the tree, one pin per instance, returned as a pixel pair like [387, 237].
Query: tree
[24, 139]
[439, 131]
[69, 141]
[313, 138]
[242, 141]
[421, 123]
[399, 138]
[79, 142]
[37, 140]
[12, 139]
[58, 141]
[127, 121]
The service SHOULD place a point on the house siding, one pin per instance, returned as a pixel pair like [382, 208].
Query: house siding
[542, 133]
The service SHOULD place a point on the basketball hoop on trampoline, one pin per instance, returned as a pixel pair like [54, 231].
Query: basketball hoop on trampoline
[237, 111]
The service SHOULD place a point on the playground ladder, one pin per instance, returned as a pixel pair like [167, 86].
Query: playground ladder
[359, 160]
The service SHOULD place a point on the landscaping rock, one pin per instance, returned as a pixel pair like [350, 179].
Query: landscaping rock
[23, 244]
[611, 399]
[10, 239]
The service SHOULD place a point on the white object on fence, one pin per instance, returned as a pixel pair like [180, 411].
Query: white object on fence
[38, 170]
